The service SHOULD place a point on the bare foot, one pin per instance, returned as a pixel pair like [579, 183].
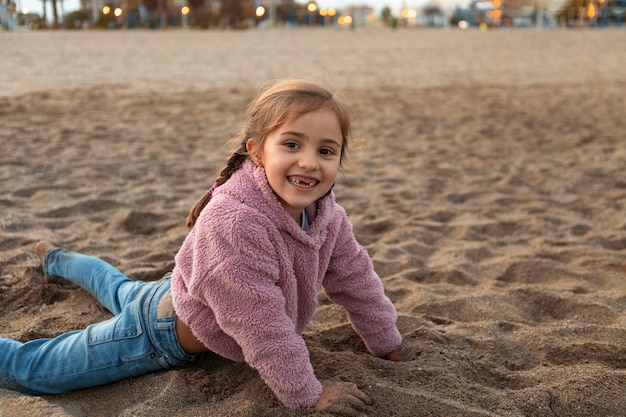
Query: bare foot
[41, 248]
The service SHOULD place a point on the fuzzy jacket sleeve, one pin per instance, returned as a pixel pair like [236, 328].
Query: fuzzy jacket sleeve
[352, 282]
[240, 269]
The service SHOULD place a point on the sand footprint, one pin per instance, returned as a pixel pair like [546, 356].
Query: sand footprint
[137, 222]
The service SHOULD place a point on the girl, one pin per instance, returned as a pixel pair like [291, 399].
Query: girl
[264, 239]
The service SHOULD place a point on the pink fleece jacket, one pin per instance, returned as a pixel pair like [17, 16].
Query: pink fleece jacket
[247, 276]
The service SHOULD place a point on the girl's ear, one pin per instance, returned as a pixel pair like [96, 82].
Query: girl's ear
[250, 144]
[254, 150]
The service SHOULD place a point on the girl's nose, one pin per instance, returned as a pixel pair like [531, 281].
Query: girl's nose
[308, 160]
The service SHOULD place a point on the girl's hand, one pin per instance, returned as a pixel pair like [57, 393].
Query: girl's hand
[404, 353]
[342, 398]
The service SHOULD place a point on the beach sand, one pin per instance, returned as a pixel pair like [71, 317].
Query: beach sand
[490, 192]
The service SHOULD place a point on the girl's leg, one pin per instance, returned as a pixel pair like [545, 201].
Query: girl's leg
[105, 352]
[135, 342]
[112, 288]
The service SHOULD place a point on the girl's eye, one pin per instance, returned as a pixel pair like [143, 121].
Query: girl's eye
[292, 145]
[327, 151]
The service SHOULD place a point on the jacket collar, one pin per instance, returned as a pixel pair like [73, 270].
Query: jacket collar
[250, 186]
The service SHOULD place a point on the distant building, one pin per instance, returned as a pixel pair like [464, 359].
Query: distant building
[361, 15]
[592, 13]
[478, 12]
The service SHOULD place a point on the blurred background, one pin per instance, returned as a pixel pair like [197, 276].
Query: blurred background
[351, 14]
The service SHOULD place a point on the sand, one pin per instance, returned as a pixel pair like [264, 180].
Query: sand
[490, 191]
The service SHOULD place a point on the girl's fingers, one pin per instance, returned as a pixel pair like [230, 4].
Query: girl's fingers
[347, 406]
[361, 396]
[353, 397]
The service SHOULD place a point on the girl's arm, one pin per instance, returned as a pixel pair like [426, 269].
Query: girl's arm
[352, 282]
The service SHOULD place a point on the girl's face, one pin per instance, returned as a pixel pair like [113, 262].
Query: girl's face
[301, 159]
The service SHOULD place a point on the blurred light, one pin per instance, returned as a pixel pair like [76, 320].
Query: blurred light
[344, 20]
[260, 11]
[117, 12]
[25, 10]
[497, 14]
[106, 10]
[185, 10]
[323, 11]
[311, 7]
[497, 3]
[463, 24]
[409, 13]
[332, 12]
[591, 11]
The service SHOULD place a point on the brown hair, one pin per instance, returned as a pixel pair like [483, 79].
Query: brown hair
[275, 105]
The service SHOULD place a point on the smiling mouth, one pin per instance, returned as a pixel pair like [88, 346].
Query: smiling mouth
[303, 182]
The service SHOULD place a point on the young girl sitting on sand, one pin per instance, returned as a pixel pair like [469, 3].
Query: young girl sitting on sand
[263, 240]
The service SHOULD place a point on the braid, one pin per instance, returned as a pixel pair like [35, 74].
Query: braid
[234, 162]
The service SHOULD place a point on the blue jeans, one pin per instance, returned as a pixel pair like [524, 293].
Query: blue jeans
[134, 342]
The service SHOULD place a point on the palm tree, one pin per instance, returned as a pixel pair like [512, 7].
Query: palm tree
[55, 15]
[45, 17]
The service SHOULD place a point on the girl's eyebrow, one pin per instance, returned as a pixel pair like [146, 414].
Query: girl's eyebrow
[293, 133]
[332, 141]
[302, 135]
